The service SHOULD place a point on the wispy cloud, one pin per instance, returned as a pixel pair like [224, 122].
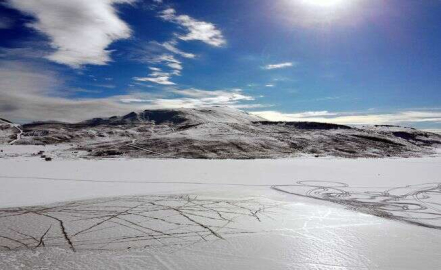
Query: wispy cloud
[159, 75]
[28, 50]
[402, 117]
[197, 30]
[156, 77]
[327, 98]
[146, 51]
[80, 31]
[6, 23]
[279, 65]
[170, 61]
[164, 59]
[171, 46]
[108, 86]
[159, 53]
[191, 98]
[232, 95]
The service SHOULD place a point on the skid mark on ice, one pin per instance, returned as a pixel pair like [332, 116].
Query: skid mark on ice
[127, 222]
[415, 204]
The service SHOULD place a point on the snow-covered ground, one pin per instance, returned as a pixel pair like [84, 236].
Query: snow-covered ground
[304, 213]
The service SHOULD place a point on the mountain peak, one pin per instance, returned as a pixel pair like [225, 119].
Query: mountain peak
[180, 116]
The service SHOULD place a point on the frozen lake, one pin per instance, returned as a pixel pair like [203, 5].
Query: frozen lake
[304, 213]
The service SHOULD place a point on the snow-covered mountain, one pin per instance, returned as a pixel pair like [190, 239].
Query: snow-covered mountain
[220, 132]
[180, 116]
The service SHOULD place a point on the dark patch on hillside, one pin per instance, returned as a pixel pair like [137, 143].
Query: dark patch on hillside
[306, 125]
[377, 139]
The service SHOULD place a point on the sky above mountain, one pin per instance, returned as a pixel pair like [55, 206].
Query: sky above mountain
[341, 61]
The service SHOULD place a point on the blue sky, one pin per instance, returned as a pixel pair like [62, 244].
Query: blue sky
[342, 61]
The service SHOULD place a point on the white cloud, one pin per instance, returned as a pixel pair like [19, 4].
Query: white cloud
[250, 106]
[269, 85]
[404, 117]
[191, 98]
[133, 100]
[280, 65]
[219, 95]
[197, 30]
[158, 75]
[312, 114]
[171, 46]
[434, 130]
[159, 79]
[175, 66]
[79, 30]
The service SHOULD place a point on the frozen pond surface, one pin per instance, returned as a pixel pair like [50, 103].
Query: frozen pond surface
[197, 214]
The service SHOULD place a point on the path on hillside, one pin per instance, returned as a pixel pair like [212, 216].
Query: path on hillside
[16, 126]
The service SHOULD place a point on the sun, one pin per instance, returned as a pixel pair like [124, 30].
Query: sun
[320, 13]
[324, 3]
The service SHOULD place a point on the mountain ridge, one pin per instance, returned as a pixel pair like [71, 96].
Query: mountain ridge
[220, 132]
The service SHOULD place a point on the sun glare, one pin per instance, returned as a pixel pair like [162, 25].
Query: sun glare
[324, 3]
